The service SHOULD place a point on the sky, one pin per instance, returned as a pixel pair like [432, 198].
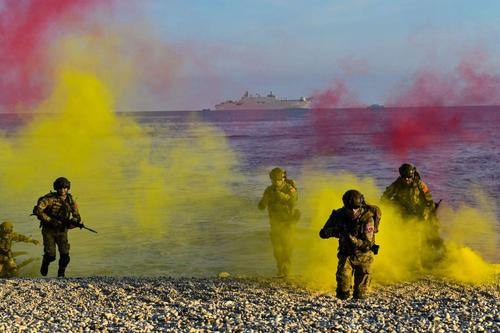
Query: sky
[189, 55]
[297, 48]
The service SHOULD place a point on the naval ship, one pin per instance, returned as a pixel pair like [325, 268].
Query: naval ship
[269, 102]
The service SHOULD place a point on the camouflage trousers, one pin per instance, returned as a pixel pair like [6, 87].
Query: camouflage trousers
[53, 237]
[282, 238]
[358, 265]
[8, 266]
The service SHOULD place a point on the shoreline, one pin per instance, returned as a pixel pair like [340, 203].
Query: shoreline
[124, 304]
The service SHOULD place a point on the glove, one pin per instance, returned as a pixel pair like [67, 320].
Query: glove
[323, 234]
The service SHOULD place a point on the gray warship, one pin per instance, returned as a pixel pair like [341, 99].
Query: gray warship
[269, 102]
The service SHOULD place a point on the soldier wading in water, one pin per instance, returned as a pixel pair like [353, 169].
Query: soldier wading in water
[57, 212]
[355, 225]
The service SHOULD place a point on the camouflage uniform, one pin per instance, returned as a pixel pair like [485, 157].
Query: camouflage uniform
[412, 196]
[414, 200]
[52, 211]
[356, 239]
[280, 202]
[8, 266]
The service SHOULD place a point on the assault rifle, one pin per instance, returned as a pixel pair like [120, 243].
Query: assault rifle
[71, 222]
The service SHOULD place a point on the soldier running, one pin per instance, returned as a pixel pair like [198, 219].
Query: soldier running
[8, 266]
[57, 212]
[354, 225]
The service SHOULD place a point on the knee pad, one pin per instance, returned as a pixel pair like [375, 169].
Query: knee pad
[64, 260]
[48, 258]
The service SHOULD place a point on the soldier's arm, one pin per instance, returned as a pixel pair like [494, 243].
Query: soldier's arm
[74, 211]
[331, 227]
[293, 194]
[21, 238]
[264, 200]
[389, 193]
[367, 238]
[426, 193]
[39, 211]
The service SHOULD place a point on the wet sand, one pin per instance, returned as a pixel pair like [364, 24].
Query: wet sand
[110, 304]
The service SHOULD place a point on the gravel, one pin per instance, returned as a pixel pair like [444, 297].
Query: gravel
[163, 304]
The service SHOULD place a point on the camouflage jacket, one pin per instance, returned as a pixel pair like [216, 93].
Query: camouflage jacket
[279, 202]
[6, 240]
[356, 235]
[52, 207]
[414, 200]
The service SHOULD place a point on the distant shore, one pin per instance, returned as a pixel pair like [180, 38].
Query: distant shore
[263, 305]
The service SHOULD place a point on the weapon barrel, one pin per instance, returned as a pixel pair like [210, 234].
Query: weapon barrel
[89, 229]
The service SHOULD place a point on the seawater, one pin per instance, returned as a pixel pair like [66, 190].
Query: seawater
[205, 236]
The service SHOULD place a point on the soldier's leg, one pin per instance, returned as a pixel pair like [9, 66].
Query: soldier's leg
[362, 276]
[11, 268]
[343, 276]
[49, 250]
[278, 249]
[3, 266]
[287, 239]
[63, 246]
[434, 243]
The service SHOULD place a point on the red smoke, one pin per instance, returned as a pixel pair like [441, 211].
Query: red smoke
[481, 85]
[24, 33]
[414, 129]
[429, 123]
[326, 119]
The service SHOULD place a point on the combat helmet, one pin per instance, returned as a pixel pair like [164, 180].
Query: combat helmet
[61, 182]
[353, 199]
[407, 170]
[277, 174]
[6, 227]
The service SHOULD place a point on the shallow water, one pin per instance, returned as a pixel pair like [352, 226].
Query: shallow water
[206, 235]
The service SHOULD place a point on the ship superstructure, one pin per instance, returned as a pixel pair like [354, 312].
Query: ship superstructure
[269, 102]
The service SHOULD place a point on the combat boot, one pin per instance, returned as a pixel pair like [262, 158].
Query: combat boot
[360, 295]
[61, 271]
[342, 295]
[44, 269]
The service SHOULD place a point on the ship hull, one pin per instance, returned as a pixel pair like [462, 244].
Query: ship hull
[263, 106]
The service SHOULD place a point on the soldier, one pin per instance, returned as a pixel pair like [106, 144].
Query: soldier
[354, 225]
[280, 199]
[57, 212]
[8, 266]
[410, 194]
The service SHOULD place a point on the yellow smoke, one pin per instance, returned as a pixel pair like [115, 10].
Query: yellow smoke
[127, 188]
[405, 252]
[315, 259]
[139, 68]
[469, 226]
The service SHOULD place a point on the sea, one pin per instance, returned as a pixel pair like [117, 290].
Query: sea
[455, 149]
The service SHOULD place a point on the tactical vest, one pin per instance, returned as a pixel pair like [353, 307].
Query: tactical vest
[56, 208]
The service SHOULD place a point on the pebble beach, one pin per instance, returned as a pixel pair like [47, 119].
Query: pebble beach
[163, 304]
